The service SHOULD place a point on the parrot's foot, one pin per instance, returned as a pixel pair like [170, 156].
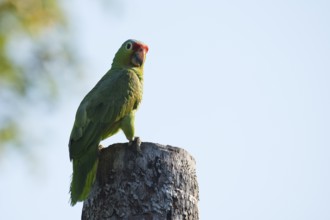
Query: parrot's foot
[137, 144]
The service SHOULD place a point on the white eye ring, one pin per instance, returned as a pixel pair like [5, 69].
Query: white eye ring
[129, 46]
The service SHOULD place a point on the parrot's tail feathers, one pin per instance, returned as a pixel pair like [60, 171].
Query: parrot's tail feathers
[83, 177]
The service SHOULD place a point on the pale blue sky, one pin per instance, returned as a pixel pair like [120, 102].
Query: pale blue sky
[244, 86]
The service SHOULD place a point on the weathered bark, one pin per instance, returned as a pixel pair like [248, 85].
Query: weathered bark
[159, 183]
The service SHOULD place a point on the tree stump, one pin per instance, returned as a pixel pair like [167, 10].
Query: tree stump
[159, 183]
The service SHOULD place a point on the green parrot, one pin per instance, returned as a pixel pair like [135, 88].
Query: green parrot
[107, 108]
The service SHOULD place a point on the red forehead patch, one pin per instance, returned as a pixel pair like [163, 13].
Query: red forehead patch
[137, 46]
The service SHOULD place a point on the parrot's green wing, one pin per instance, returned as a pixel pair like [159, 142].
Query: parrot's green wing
[99, 115]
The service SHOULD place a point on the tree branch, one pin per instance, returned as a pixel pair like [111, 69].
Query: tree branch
[160, 183]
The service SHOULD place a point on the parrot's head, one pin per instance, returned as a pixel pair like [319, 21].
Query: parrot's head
[131, 54]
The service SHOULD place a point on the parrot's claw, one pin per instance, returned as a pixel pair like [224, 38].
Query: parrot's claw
[137, 144]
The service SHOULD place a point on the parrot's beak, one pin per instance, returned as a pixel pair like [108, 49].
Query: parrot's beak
[139, 55]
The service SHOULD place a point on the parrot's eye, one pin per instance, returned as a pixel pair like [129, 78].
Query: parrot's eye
[129, 46]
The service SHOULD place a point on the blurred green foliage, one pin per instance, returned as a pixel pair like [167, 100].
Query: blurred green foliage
[34, 48]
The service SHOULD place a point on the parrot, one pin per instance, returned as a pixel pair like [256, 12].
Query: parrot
[109, 107]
